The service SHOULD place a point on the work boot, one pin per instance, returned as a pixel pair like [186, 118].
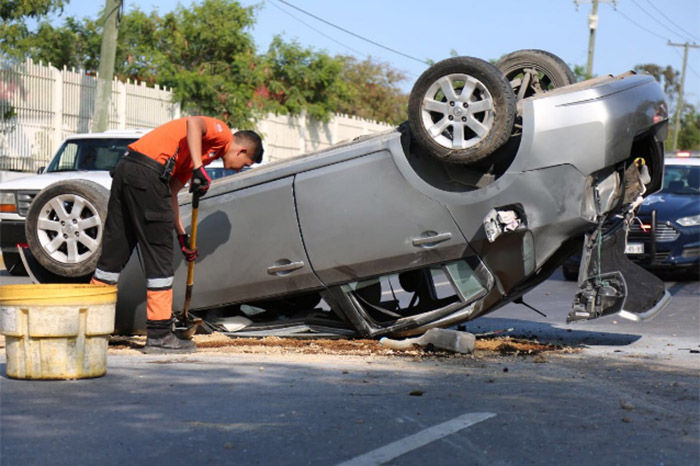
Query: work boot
[161, 339]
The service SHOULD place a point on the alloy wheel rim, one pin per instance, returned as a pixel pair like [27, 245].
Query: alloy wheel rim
[458, 111]
[69, 228]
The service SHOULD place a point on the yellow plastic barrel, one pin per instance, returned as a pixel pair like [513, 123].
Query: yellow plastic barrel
[57, 331]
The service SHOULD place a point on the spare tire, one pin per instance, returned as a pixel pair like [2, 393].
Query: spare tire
[64, 226]
[533, 72]
[461, 110]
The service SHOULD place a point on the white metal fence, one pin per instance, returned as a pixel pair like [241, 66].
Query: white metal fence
[40, 105]
[286, 136]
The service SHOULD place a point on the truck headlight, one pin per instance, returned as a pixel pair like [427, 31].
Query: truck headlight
[7, 202]
[692, 221]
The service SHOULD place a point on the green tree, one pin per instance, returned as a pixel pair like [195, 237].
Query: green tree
[73, 44]
[205, 53]
[297, 78]
[667, 77]
[18, 10]
[689, 131]
[689, 134]
[373, 91]
[580, 73]
[13, 21]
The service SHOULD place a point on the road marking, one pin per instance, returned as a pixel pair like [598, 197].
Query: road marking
[418, 440]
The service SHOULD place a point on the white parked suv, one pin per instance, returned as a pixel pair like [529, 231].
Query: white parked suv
[65, 225]
[59, 214]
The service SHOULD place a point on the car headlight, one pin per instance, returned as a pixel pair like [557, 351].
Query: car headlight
[692, 221]
[7, 202]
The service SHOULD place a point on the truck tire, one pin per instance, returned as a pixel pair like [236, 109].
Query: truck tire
[461, 110]
[65, 224]
[533, 72]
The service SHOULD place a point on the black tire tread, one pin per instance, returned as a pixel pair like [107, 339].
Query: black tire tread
[551, 65]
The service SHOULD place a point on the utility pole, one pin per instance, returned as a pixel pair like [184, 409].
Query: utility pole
[592, 26]
[679, 105]
[106, 68]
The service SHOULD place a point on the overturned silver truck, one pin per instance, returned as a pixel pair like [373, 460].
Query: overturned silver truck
[499, 174]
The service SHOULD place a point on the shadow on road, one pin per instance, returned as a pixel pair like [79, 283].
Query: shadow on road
[548, 333]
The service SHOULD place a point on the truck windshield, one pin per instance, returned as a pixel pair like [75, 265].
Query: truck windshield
[89, 154]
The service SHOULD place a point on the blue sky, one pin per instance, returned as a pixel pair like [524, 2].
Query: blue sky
[629, 33]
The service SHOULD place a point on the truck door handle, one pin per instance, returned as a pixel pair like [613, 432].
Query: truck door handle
[431, 239]
[284, 266]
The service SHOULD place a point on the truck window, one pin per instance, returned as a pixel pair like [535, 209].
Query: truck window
[89, 154]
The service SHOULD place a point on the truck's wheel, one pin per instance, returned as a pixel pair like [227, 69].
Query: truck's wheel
[461, 110]
[532, 72]
[65, 224]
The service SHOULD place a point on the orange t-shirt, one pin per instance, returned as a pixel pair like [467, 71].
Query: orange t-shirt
[161, 143]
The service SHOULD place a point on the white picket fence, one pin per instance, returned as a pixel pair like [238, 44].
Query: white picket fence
[41, 105]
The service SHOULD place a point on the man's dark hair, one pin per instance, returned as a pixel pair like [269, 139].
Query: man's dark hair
[253, 141]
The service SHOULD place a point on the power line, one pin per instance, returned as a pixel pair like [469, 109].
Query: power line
[353, 34]
[680, 55]
[657, 21]
[639, 25]
[356, 52]
[320, 32]
[670, 21]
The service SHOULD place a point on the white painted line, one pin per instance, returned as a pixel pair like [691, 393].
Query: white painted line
[418, 440]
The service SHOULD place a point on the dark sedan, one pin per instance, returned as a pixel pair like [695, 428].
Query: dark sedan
[665, 235]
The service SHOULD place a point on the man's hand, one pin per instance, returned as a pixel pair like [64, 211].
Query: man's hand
[203, 181]
[190, 254]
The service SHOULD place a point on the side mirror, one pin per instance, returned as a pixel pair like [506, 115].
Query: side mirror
[41, 170]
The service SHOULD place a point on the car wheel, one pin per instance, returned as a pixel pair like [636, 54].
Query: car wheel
[533, 72]
[461, 110]
[13, 264]
[65, 224]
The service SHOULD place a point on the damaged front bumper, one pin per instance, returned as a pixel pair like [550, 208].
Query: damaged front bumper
[610, 283]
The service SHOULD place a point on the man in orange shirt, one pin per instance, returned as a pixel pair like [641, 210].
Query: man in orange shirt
[143, 208]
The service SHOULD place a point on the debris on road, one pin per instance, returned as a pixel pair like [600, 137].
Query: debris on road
[223, 344]
[624, 404]
[443, 339]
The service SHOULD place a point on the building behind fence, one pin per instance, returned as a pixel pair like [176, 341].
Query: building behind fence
[41, 105]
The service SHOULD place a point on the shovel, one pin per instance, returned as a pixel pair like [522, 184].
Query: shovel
[187, 325]
[448, 340]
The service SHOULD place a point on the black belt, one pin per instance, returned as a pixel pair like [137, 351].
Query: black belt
[141, 159]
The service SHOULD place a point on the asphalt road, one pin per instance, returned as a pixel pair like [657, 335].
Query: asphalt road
[629, 397]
